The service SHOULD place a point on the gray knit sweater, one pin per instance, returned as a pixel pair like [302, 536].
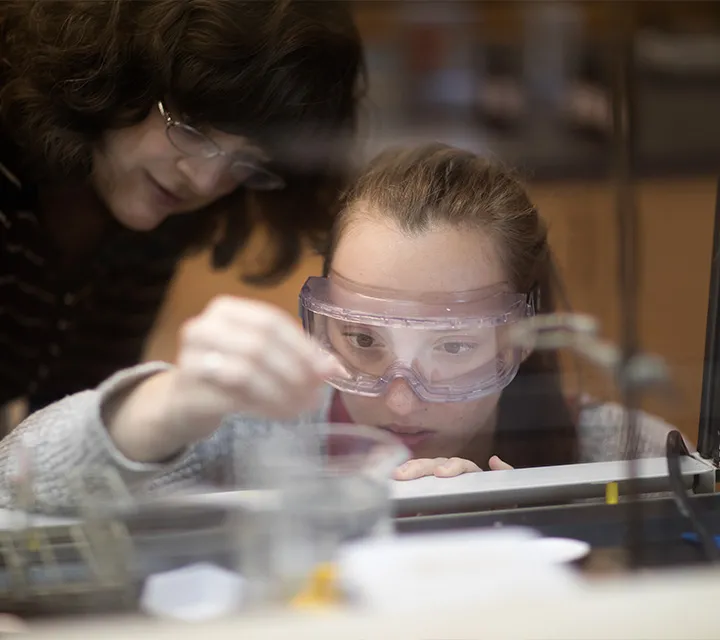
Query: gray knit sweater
[68, 438]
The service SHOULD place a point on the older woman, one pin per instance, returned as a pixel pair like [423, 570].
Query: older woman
[134, 131]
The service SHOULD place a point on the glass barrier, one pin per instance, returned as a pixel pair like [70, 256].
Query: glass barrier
[516, 289]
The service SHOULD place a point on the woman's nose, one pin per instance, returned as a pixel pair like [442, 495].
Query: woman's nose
[401, 399]
[206, 176]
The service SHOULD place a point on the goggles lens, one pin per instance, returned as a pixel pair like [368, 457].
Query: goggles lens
[462, 355]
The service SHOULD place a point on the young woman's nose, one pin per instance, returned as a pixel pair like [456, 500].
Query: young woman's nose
[401, 399]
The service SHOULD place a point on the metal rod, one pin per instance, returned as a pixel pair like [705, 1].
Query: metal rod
[578, 333]
[709, 427]
[628, 259]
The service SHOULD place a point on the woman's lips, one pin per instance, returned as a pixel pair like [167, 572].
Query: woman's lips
[163, 196]
[410, 436]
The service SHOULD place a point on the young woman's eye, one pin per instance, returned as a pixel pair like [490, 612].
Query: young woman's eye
[361, 340]
[456, 348]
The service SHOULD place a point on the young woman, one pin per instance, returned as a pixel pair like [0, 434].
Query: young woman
[134, 131]
[435, 255]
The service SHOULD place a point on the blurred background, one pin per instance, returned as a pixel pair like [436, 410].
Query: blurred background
[528, 84]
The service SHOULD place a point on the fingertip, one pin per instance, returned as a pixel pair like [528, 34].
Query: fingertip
[444, 469]
[404, 472]
[497, 464]
[341, 372]
[329, 365]
[11, 624]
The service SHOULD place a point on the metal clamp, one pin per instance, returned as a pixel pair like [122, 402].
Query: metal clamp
[579, 333]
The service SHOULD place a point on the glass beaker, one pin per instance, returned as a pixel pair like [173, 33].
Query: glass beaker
[331, 485]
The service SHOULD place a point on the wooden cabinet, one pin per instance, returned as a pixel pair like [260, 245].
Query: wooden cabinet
[503, 22]
[676, 221]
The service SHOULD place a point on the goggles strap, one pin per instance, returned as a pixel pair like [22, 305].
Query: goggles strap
[533, 297]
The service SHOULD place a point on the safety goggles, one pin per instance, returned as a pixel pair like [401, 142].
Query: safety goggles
[448, 347]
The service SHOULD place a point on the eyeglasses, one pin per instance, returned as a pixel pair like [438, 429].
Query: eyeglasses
[193, 143]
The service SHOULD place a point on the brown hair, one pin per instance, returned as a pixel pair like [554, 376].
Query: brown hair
[276, 71]
[420, 187]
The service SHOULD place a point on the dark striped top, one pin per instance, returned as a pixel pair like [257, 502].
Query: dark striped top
[62, 334]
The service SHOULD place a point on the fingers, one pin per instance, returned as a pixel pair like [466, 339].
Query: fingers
[247, 384]
[444, 467]
[417, 468]
[256, 355]
[11, 624]
[228, 317]
[244, 349]
[439, 467]
[496, 464]
[456, 467]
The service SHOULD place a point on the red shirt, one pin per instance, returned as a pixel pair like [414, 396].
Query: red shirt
[338, 411]
[338, 445]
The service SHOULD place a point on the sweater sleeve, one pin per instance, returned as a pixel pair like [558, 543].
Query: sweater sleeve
[68, 440]
[602, 433]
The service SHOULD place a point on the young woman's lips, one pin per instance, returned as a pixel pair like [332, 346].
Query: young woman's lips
[410, 436]
[163, 196]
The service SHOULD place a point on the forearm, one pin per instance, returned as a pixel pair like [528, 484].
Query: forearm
[139, 421]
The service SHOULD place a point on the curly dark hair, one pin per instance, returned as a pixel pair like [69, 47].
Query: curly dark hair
[286, 73]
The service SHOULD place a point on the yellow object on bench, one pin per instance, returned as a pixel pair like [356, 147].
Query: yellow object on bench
[321, 590]
[612, 493]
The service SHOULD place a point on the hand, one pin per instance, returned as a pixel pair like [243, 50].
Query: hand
[11, 624]
[444, 467]
[249, 356]
[439, 467]
[236, 356]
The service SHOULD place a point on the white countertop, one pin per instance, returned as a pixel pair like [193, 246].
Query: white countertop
[638, 608]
